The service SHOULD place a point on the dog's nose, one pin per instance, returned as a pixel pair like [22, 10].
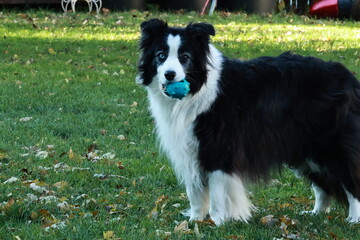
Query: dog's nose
[170, 75]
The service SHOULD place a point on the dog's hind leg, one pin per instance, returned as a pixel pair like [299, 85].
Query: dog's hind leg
[354, 208]
[228, 199]
[322, 200]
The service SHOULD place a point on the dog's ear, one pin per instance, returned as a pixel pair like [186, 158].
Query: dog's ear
[153, 26]
[201, 30]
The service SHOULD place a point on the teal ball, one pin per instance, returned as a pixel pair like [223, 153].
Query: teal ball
[177, 89]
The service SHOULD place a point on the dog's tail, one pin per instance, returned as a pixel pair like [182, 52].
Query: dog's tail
[350, 135]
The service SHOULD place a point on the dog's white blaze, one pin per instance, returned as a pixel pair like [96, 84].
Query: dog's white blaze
[175, 127]
[354, 208]
[228, 199]
[172, 62]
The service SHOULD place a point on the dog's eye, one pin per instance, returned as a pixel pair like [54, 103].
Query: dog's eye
[184, 58]
[161, 56]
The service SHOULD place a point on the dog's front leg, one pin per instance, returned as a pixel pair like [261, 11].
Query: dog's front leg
[228, 199]
[199, 201]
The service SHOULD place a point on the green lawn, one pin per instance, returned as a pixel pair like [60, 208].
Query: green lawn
[78, 156]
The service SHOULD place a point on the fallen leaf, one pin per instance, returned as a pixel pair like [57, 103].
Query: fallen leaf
[108, 235]
[269, 220]
[51, 51]
[44, 212]
[42, 154]
[34, 215]
[71, 154]
[121, 137]
[59, 225]
[182, 228]
[286, 220]
[160, 233]
[25, 119]
[120, 165]
[9, 203]
[102, 176]
[108, 156]
[64, 206]
[176, 205]
[161, 199]
[31, 197]
[105, 11]
[61, 184]
[134, 104]
[300, 200]
[38, 189]
[153, 213]
[333, 235]
[11, 180]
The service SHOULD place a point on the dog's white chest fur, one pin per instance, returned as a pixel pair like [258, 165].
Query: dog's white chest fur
[175, 121]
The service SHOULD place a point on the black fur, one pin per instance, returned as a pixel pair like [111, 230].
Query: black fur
[286, 109]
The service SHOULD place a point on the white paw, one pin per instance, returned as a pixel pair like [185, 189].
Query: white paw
[313, 212]
[194, 216]
[353, 220]
[217, 220]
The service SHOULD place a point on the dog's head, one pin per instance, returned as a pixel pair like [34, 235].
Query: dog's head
[172, 54]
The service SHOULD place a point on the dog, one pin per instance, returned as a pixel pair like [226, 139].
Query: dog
[242, 119]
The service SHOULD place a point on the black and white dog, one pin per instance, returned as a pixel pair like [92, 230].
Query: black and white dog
[243, 118]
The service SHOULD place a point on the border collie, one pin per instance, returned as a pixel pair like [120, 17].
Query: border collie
[241, 119]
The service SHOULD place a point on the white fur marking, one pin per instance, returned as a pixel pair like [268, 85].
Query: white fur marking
[228, 198]
[172, 62]
[354, 208]
[175, 128]
[175, 122]
[322, 200]
[199, 202]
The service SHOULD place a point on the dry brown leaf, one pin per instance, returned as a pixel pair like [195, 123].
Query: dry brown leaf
[301, 200]
[269, 220]
[333, 235]
[108, 235]
[120, 165]
[71, 154]
[44, 212]
[9, 203]
[34, 215]
[61, 184]
[182, 228]
[161, 199]
[105, 10]
[51, 51]
[153, 213]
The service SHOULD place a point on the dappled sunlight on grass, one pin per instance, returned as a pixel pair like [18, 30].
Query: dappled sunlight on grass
[75, 34]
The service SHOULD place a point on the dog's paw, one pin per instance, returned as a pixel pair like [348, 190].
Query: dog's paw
[217, 220]
[353, 220]
[313, 212]
[195, 215]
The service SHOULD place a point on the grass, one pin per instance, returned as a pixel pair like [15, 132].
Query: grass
[77, 136]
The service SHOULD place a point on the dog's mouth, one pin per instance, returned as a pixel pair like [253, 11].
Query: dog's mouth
[163, 89]
[176, 90]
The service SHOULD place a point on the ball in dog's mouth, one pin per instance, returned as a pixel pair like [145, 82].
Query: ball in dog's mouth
[177, 90]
